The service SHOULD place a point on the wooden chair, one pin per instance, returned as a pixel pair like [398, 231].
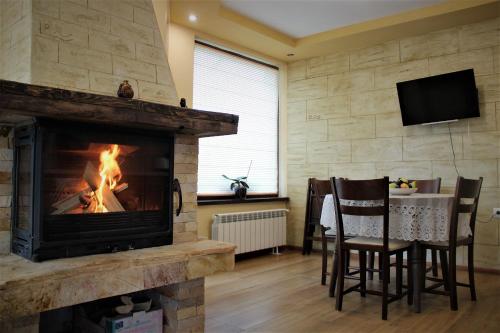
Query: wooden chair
[465, 189]
[423, 186]
[318, 189]
[366, 190]
[430, 186]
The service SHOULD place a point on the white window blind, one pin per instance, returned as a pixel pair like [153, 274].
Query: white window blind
[228, 83]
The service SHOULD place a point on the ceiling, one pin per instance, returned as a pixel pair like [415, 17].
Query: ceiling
[301, 18]
[278, 28]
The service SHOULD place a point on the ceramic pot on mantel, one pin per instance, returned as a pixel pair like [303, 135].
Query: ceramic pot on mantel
[240, 192]
[125, 90]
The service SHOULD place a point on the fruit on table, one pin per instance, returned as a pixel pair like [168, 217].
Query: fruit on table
[402, 183]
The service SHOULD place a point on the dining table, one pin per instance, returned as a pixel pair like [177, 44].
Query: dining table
[415, 218]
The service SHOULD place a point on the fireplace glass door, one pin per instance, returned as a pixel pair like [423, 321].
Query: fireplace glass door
[103, 188]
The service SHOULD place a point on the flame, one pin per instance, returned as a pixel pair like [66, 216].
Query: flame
[110, 173]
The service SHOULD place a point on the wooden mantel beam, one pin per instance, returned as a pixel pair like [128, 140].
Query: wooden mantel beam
[20, 99]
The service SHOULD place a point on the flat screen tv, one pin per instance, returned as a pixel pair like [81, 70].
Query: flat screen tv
[439, 98]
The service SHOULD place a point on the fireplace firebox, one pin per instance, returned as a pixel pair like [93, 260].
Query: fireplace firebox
[84, 189]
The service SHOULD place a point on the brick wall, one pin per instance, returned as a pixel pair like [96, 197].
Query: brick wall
[344, 120]
[92, 46]
[186, 170]
[15, 40]
[183, 306]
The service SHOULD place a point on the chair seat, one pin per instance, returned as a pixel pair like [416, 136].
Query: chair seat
[460, 241]
[394, 244]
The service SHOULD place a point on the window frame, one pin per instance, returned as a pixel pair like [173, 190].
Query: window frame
[230, 196]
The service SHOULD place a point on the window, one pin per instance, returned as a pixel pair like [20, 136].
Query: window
[229, 83]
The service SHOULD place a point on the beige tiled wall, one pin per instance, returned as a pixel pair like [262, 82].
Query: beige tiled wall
[86, 45]
[15, 40]
[344, 120]
[92, 46]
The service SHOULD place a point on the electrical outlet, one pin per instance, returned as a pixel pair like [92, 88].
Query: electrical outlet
[496, 213]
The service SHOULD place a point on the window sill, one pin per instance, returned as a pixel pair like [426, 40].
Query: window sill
[230, 201]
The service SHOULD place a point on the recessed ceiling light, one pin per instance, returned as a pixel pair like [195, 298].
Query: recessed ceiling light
[192, 18]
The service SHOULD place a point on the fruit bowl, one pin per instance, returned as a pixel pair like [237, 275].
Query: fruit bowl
[402, 191]
[402, 186]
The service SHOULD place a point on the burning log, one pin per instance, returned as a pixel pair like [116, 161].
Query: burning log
[91, 176]
[99, 197]
[85, 200]
[70, 203]
[120, 188]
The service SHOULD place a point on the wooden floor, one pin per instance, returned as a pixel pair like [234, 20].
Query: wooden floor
[283, 294]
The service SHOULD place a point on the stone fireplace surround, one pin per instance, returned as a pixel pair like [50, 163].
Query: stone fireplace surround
[176, 271]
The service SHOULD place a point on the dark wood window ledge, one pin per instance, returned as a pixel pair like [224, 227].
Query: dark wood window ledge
[230, 201]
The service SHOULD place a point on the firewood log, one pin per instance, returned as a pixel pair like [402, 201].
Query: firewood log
[69, 203]
[91, 176]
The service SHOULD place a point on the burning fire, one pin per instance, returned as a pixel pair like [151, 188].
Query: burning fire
[110, 174]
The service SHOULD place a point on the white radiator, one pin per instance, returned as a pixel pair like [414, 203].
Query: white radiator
[251, 231]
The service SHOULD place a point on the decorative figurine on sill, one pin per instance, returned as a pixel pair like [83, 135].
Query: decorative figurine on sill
[183, 103]
[125, 90]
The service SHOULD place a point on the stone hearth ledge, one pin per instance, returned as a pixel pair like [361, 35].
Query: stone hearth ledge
[28, 288]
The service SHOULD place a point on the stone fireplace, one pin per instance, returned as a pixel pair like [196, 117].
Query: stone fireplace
[92, 46]
[97, 174]
[86, 49]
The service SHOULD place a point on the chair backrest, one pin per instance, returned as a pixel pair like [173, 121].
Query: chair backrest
[468, 189]
[428, 185]
[356, 191]
[318, 190]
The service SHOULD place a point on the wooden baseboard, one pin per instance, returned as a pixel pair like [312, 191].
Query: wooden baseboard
[459, 267]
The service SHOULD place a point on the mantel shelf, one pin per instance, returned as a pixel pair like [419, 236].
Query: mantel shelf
[28, 288]
[20, 100]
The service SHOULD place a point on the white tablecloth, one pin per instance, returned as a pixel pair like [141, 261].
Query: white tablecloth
[418, 216]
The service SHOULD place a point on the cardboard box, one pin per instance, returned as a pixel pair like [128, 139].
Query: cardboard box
[138, 322]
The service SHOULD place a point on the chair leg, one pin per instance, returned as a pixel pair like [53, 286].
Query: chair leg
[399, 274]
[324, 253]
[340, 282]
[470, 267]
[409, 278]
[385, 283]
[444, 269]
[434, 263]
[333, 277]
[452, 273]
[347, 261]
[312, 229]
[371, 264]
[362, 272]
[423, 269]
[380, 267]
[307, 242]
